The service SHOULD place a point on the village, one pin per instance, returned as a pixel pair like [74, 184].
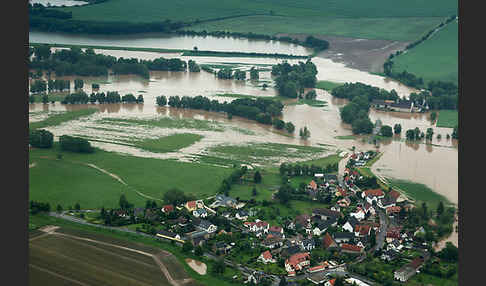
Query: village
[363, 220]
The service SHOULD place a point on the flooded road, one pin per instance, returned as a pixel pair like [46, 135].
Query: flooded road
[433, 165]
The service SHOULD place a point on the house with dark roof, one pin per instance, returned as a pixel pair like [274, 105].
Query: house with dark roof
[205, 225]
[408, 270]
[323, 225]
[326, 214]
[402, 106]
[242, 215]
[221, 247]
[341, 237]
[272, 242]
[200, 213]
[389, 255]
[289, 251]
[308, 244]
[350, 224]
[386, 202]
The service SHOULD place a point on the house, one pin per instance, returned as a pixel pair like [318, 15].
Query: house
[330, 178]
[242, 215]
[167, 209]
[308, 244]
[393, 210]
[362, 230]
[169, 235]
[328, 242]
[297, 262]
[354, 281]
[368, 208]
[318, 278]
[221, 247]
[266, 257]
[350, 248]
[224, 201]
[312, 185]
[257, 226]
[226, 214]
[359, 214]
[276, 231]
[323, 226]
[386, 202]
[402, 106]
[345, 202]
[272, 242]
[336, 208]
[394, 195]
[350, 224]
[373, 195]
[138, 212]
[191, 206]
[341, 237]
[326, 214]
[206, 226]
[289, 251]
[408, 270]
[330, 282]
[302, 221]
[392, 233]
[200, 213]
[316, 268]
[341, 192]
[381, 104]
[389, 255]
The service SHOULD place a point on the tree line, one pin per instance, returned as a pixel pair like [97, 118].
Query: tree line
[356, 111]
[439, 95]
[297, 170]
[290, 80]
[75, 144]
[74, 61]
[262, 110]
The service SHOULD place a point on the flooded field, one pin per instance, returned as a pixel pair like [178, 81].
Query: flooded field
[434, 165]
[58, 2]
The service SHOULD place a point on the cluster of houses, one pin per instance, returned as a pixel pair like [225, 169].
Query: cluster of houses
[346, 226]
[399, 105]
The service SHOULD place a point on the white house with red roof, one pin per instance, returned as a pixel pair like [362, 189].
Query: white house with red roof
[297, 262]
[373, 195]
[359, 214]
[167, 208]
[191, 206]
[266, 257]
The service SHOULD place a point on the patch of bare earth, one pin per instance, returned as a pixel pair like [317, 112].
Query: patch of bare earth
[197, 266]
[362, 54]
[32, 165]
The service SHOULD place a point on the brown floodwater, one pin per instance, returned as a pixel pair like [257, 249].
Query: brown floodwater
[433, 165]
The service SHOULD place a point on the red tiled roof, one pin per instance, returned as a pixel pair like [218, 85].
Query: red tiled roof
[376, 193]
[191, 204]
[297, 258]
[275, 229]
[317, 268]
[267, 255]
[394, 194]
[394, 209]
[262, 224]
[350, 247]
[332, 281]
[363, 229]
[313, 185]
[327, 240]
[168, 208]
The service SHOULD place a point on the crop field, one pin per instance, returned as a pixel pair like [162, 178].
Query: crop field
[420, 193]
[68, 180]
[447, 118]
[376, 19]
[435, 58]
[64, 259]
[169, 143]
[59, 118]
[166, 122]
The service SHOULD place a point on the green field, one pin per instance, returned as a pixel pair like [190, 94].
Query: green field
[327, 85]
[166, 122]
[346, 137]
[419, 192]
[68, 181]
[435, 58]
[375, 19]
[57, 119]
[52, 96]
[310, 102]
[169, 143]
[448, 118]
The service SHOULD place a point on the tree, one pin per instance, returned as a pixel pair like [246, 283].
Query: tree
[75, 144]
[397, 129]
[161, 100]
[31, 99]
[198, 251]
[430, 134]
[219, 266]
[311, 94]
[283, 281]
[304, 133]
[289, 126]
[59, 208]
[455, 133]
[77, 207]
[187, 247]
[45, 99]
[433, 116]
[440, 209]
[257, 178]
[140, 98]
[254, 74]
[254, 192]
[78, 83]
[41, 138]
[386, 131]
[123, 202]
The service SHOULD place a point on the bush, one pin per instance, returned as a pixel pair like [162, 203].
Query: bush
[75, 144]
[41, 138]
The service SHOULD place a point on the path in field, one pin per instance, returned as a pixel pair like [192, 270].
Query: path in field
[57, 274]
[32, 165]
[161, 265]
[120, 180]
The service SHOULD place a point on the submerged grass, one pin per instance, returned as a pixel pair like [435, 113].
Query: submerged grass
[169, 143]
[327, 85]
[61, 118]
[448, 118]
[168, 122]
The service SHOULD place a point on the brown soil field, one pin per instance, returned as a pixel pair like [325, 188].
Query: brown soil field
[362, 54]
[61, 260]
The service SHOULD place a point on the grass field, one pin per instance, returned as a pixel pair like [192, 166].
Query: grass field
[398, 20]
[419, 192]
[327, 85]
[346, 137]
[448, 118]
[52, 96]
[310, 102]
[169, 143]
[57, 119]
[68, 181]
[435, 58]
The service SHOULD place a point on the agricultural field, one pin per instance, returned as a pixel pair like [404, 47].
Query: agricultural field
[376, 19]
[61, 117]
[169, 143]
[447, 118]
[434, 59]
[327, 85]
[70, 180]
[419, 192]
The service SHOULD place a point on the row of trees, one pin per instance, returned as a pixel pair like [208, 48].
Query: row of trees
[306, 170]
[227, 73]
[234, 177]
[36, 207]
[41, 138]
[261, 109]
[76, 62]
[290, 80]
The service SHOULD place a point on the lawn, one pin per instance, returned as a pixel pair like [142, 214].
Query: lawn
[169, 143]
[397, 20]
[57, 119]
[448, 118]
[327, 85]
[68, 181]
[435, 58]
[419, 192]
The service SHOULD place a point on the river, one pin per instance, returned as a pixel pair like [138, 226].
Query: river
[433, 165]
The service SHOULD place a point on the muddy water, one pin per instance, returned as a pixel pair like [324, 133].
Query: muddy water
[435, 166]
[58, 2]
[159, 40]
